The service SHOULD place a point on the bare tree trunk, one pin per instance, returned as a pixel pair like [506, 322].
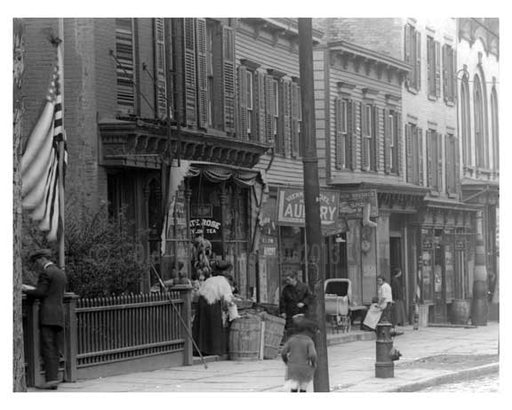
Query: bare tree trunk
[19, 384]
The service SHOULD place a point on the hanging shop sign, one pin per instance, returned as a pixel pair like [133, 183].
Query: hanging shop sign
[292, 212]
[351, 204]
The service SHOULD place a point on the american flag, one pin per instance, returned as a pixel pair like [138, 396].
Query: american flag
[39, 164]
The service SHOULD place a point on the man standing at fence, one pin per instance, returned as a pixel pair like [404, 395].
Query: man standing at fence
[51, 284]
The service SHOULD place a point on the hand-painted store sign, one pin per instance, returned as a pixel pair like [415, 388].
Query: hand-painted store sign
[209, 226]
[352, 203]
[291, 209]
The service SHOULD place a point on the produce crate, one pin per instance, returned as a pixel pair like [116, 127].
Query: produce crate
[273, 334]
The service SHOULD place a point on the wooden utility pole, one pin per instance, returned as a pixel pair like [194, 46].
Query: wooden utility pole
[312, 201]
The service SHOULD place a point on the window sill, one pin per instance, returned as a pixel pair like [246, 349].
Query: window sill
[432, 98]
[450, 103]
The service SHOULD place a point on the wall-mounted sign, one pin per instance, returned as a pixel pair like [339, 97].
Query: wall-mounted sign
[352, 203]
[209, 226]
[291, 209]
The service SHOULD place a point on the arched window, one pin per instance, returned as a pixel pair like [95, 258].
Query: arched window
[495, 129]
[480, 133]
[465, 122]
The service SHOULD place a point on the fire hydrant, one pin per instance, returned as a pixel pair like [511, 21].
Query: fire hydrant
[386, 354]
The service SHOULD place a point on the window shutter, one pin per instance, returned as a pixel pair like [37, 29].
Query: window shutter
[269, 108]
[407, 50]
[454, 75]
[364, 150]
[456, 171]
[351, 155]
[438, 67]
[242, 102]
[294, 121]
[450, 158]
[387, 138]
[399, 142]
[285, 116]
[228, 65]
[429, 158]
[376, 137]
[418, 61]
[259, 93]
[419, 155]
[429, 66]
[408, 154]
[407, 43]
[354, 135]
[337, 133]
[202, 88]
[160, 70]
[190, 72]
[126, 69]
[439, 161]
[445, 72]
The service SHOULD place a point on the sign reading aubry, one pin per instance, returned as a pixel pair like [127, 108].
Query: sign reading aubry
[291, 209]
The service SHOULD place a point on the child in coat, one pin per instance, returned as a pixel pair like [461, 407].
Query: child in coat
[299, 355]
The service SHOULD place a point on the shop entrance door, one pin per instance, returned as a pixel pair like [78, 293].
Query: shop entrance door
[440, 314]
[335, 256]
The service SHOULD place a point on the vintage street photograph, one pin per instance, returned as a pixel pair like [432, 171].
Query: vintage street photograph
[268, 205]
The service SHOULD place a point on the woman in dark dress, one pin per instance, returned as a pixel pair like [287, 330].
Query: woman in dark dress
[209, 327]
[398, 312]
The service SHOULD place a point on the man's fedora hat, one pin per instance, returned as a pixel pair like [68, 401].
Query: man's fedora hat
[40, 253]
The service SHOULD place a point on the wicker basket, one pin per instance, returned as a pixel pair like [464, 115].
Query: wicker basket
[274, 329]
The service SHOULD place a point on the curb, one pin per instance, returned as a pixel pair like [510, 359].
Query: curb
[460, 375]
[350, 337]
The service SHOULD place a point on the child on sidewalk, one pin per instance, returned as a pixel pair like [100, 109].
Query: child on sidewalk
[299, 355]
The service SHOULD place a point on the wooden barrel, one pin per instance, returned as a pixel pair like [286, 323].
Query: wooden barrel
[245, 338]
[274, 330]
[461, 309]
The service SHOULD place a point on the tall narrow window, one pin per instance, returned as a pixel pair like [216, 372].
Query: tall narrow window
[125, 66]
[448, 73]
[434, 160]
[210, 30]
[393, 149]
[368, 155]
[275, 117]
[160, 69]
[341, 142]
[250, 97]
[414, 154]
[495, 129]
[412, 54]
[479, 124]
[465, 121]
[451, 163]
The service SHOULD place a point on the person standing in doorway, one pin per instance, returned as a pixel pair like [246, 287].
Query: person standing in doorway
[385, 298]
[295, 300]
[50, 289]
[397, 289]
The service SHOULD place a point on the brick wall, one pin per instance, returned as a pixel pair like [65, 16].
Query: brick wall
[380, 34]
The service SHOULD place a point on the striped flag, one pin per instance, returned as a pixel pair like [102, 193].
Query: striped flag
[40, 162]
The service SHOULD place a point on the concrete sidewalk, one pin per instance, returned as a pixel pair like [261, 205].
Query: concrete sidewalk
[430, 356]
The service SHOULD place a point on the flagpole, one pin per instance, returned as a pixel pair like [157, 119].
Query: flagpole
[60, 51]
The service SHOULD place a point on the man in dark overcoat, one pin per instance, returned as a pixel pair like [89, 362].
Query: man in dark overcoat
[295, 299]
[50, 288]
